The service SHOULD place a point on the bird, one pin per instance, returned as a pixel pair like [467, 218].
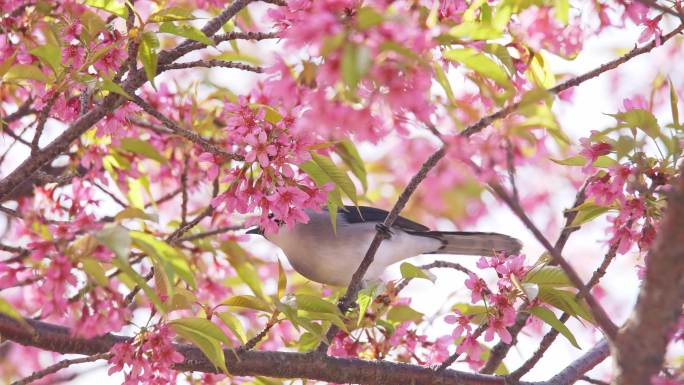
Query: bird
[331, 256]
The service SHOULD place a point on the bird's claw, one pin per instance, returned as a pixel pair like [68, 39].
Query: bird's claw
[383, 230]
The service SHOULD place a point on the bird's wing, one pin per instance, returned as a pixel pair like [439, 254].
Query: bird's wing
[354, 214]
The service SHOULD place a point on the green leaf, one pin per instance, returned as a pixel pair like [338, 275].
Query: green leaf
[234, 324]
[478, 312]
[170, 257]
[639, 118]
[117, 239]
[244, 267]
[577, 160]
[142, 147]
[588, 211]
[364, 299]
[480, 63]
[540, 72]
[203, 326]
[552, 276]
[25, 71]
[50, 54]
[565, 301]
[337, 176]
[351, 157]
[367, 17]
[209, 346]
[140, 281]
[547, 316]
[316, 304]
[402, 313]
[187, 31]
[7, 309]
[109, 85]
[282, 280]
[674, 101]
[112, 6]
[356, 61]
[134, 213]
[561, 10]
[334, 200]
[476, 31]
[443, 81]
[95, 271]
[411, 271]
[248, 302]
[147, 52]
[171, 14]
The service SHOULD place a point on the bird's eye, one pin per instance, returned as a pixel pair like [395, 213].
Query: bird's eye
[271, 215]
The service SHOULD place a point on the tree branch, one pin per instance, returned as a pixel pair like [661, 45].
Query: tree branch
[59, 366]
[187, 134]
[251, 363]
[210, 64]
[640, 345]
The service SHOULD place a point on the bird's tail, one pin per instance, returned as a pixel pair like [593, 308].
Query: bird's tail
[475, 243]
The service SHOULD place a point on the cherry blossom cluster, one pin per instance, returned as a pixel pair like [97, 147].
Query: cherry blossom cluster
[149, 359]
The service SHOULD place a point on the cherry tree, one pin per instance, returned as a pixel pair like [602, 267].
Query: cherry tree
[140, 138]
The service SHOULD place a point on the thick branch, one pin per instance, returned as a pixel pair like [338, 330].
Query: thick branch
[640, 345]
[253, 363]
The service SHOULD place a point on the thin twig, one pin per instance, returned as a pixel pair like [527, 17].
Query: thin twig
[209, 233]
[59, 366]
[655, 5]
[42, 119]
[190, 135]
[210, 64]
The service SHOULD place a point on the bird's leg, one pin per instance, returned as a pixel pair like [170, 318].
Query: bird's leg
[384, 231]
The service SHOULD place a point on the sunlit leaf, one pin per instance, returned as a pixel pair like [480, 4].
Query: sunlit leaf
[549, 318]
[249, 302]
[565, 301]
[25, 71]
[142, 147]
[140, 281]
[95, 270]
[50, 54]
[117, 239]
[588, 211]
[411, 271]
[402, 313]
[350, 156]
[282, 280]
[171, 14]
[367, 17]
[211, 347]
[109, 85]
[641, 119]
[316, 304]
[674, 101]
[480, 63]
[166, 254]
[336, 175]
[112, 6]
[552, 276]
[356, 61]
[147, 52]
[234, 324]
[7, 309]
[187, 31]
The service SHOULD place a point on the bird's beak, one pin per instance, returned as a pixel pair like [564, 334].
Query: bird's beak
[256, 230]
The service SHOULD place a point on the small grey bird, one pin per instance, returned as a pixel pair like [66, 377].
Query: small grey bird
[328, 257]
